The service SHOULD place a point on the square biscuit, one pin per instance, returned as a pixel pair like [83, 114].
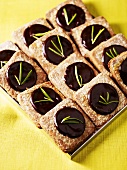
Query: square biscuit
[18, 35]
[51, 15]
[24, 100]
[114, 66]
[38, 52]
[76, 32]
[7, 48]
[65, 142]
[82, 98]
[96, 55]
[19, 56]
[57, 76]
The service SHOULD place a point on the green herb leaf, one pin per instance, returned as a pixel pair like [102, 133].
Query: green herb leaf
[78, 77]
[2, 63]
[66, 17]
[38, 35]
[47, 98]
[19, 79]
[70, 120]
[112, 53]
[107, 100]
[26, 78]
[58, 51]
[93, 39]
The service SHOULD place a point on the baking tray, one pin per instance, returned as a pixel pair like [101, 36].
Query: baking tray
[70, 155]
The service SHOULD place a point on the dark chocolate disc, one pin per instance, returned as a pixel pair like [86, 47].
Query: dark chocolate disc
[70, 122]
[123, 71]
[111, 52]
[34, 29]
[21, 75]
[77, 74]
[103, 98]
[57, 48]
[43, 103]
[5, 55]
[93, 35]
[70, 16]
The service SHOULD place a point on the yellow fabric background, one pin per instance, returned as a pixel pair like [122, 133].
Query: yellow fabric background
[22, 145]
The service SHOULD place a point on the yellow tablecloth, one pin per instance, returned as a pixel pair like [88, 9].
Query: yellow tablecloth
[22, 145]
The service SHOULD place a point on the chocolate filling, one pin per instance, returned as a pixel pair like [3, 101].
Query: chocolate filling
[43, 103]
[70, 122]
[103, 98]
[70, 16]
[123, 71]
[56, 49]
[93, 35]
[21, 75]
[111, 52]
[30, 32]
[5, 55]
[77, 74]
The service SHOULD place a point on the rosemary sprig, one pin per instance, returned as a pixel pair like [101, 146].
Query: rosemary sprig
[66, 17]
[58, 51]
[2, 63]
[112, 53]
[38, 35]
[78, 77]
[93, 39]
[70, 120]
[47, 98]
[19, 79]
[107, 100]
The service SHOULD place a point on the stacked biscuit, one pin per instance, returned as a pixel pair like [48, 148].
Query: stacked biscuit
[52, 76]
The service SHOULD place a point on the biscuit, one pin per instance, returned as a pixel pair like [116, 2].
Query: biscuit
[57, 76]
[115, 67]
[96, 56]
[77, 32]
[65, 142]
[38, 49]
[19, 56]
[7, 49]
[24, 100]
[82, 98]
[51, 15]
[18, 35]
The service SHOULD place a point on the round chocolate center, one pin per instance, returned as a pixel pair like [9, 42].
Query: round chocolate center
[31, 33]
[70, 122]
[44, 99]
[93, 35]
[111, 52]
[57, 48]
[5, 55]
[77, 74]
[103, 98]
[70, 16]
[21, 75]
[123, 71]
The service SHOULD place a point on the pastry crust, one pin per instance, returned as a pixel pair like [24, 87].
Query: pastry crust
[114, 65]
[37, 49]
[8, 45]
[65, 143]
[96, 55]
[19, 56]
[51, 14]
[57, 75]
[18, 37]
[81, 98]
[76, 32]
[24, 100]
